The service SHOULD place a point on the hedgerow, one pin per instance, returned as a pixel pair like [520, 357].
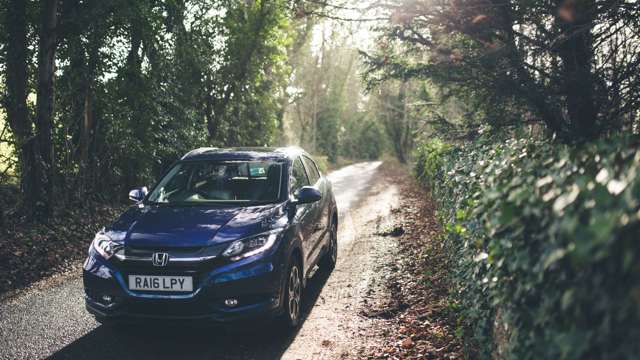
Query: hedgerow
[544, 244]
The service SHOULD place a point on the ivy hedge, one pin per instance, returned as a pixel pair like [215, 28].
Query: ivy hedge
[544, 241]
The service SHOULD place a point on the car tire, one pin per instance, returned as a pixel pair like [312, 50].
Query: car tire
[329, 259]
[293, 296]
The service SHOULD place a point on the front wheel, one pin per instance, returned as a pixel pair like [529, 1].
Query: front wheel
[293, 296]
[330, 258]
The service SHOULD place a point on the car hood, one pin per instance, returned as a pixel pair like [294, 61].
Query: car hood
[190, 226]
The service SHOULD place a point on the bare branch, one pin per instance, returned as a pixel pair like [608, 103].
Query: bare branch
[340, 18]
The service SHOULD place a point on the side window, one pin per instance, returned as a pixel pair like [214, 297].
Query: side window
[312, 170]
[298, 176]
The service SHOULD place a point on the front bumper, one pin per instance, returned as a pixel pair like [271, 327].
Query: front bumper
[254, 282]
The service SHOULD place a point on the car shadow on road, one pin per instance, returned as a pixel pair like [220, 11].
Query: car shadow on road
[170, 340]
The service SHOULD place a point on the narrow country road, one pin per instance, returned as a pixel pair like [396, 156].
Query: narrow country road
[49, 321]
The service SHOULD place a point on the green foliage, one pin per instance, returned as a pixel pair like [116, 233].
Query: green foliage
[543, 243]
[328, 112]
[327, 130]
[140, 83]
[391, 103]
[362, 138]
[429, 160]
[251, 73]
[559, 63]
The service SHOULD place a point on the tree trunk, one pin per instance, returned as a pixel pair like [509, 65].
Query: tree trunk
[94, 62]
[576, 52]
[401, 127]
[78, 69]
[526, 85]
[132, 78]
[17, 110]
[209, 100]
[45, 104]
[86, 127]
[80, 75]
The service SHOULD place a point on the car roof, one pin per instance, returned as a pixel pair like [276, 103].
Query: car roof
[243, 153]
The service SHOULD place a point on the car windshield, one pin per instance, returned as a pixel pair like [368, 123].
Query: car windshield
[203, 182]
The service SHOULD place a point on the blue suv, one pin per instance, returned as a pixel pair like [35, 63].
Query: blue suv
[226, 234]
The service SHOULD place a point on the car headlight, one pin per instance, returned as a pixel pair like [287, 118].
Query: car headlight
[250, 246]
[104, 246]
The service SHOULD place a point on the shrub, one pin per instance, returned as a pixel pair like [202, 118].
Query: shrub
[362, 138]
[544, 243]
[429, 158]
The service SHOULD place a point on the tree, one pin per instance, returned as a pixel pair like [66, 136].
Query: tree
[301, 29]
[568, 63]
[125, 88]
[327, 100]
[18, 117]
[252, 52]
[47, 46]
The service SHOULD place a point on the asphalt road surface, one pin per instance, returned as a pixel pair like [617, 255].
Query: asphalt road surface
[49, 320]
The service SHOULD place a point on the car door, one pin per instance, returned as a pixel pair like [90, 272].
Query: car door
[321, 210]
[305, 215]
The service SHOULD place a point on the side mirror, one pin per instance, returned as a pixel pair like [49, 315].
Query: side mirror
[307, 195]
[137, 195]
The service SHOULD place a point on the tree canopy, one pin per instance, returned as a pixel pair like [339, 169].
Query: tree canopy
[105, 94]
[567, 64]
[102, 96]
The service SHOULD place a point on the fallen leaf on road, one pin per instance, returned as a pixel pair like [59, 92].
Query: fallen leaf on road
[407, 343]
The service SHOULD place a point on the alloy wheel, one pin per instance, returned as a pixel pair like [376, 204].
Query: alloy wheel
[294, 288]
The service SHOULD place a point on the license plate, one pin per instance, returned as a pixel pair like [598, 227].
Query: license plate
[160, 283]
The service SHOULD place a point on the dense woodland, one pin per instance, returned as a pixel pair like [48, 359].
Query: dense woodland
[101, 96]
[520, 117]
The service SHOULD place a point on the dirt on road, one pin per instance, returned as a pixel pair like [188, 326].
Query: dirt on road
[342, 309]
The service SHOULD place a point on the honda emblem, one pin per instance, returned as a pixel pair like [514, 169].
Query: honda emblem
[160, 259]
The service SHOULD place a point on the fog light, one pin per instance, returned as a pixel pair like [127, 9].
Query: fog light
[107, 299]
[231, 302]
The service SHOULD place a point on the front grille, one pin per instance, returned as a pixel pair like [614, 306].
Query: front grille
[172, 266]
[140, 258]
